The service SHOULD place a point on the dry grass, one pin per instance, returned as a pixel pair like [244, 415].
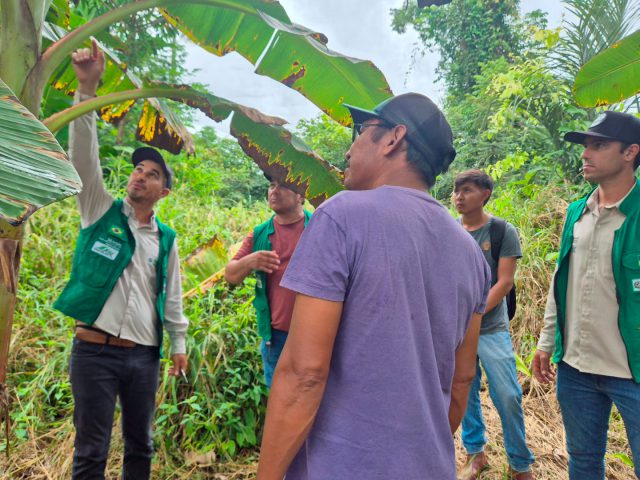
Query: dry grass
[545, 437]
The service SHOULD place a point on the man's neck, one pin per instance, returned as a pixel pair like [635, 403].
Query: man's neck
[287, 218]
[474, 220]
[610, 193]
[142, 212]
[405, 178]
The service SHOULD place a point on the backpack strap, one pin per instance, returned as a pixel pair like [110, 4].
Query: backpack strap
[496, 232]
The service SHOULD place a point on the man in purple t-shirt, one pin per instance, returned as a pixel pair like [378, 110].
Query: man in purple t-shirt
[381, 351]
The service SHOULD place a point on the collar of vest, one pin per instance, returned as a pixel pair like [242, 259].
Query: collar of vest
[271, 227]
[631, 204]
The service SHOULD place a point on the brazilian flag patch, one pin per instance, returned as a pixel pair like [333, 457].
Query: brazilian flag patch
[117, 231]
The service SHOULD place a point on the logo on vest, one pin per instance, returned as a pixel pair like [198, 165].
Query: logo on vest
[636, 284]
[107, 247]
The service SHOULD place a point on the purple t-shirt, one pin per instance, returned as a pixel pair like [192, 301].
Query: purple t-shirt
[410, 278]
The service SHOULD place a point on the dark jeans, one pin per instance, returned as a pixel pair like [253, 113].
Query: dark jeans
[98, 374]
[585, 401]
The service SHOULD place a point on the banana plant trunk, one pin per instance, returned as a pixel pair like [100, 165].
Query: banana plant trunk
[10, 250]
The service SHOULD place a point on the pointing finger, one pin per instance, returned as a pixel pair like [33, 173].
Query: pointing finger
[94, 49]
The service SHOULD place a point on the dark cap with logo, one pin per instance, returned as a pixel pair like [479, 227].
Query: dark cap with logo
[427, 129]
[147, 153]
[610, 126]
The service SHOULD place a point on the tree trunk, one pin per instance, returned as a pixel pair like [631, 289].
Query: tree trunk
[10, 250]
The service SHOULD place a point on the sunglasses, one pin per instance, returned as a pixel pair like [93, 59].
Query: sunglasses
[359, 127]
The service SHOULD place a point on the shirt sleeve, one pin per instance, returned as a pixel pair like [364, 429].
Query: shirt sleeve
[93, 200]
[175, 322]
[245, 249]
[319, 266]
[547, 342]
[510, 242]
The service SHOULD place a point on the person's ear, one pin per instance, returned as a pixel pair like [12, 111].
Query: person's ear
[394, 140]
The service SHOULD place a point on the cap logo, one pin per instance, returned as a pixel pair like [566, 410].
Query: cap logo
[601, 118]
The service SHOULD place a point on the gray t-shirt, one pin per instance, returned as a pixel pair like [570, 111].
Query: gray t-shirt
[497, 320]
[410, 279]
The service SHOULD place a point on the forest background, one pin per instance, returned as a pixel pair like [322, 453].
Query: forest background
[507, 80]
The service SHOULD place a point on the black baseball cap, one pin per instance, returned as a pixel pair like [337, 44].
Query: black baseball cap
[611, 126]
[427, 129]
[147, 153]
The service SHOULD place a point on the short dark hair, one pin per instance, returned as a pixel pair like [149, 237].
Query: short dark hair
[477, 177]
[415, 158]
[636, 162]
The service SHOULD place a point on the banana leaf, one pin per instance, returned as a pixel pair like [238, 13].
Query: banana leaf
[34, 170]
[611, 76]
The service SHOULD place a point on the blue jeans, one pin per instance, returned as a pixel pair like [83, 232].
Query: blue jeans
[271, 353]
[98, 374]
[585, 401]
[495, 354]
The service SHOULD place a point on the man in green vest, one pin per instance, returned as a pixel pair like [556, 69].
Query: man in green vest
[267, 251]
[124, 288]
[592, 317]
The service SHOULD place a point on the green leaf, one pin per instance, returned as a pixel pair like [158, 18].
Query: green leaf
[34, 170]
[286, 158]
[214, 107]
[299, 60]
[222, 30]
[611, 76]
[59, 13]
[296, 56]
[521, 366]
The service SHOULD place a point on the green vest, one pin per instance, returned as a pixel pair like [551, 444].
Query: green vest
[103, 251]
[261, 241]
[625, 262]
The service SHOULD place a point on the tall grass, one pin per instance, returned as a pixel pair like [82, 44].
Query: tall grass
[219, 412]
[209, 428]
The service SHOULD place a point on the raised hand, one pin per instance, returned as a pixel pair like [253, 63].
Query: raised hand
[89, 67]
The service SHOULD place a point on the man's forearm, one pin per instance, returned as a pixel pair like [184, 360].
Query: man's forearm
[547, 339]
[497, 293]
[459, 400]
[93, 200]
[237, 270]
[293, 404]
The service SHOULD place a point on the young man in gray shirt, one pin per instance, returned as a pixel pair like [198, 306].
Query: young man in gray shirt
[472, 190]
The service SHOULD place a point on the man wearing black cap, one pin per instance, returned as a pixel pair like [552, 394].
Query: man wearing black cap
[381, 350]
[124, 288]
[592, 317]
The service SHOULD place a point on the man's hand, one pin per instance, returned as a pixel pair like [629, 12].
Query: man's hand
[541, 366]
[179, 364]
[265, 260]
[89, 67]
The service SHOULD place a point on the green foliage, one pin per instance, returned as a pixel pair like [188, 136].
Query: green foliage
[222, 407]
[326, 137]
[468, 33]
[612, 76]
[591, 27]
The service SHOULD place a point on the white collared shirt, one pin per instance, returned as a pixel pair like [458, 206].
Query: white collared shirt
[129, 311]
